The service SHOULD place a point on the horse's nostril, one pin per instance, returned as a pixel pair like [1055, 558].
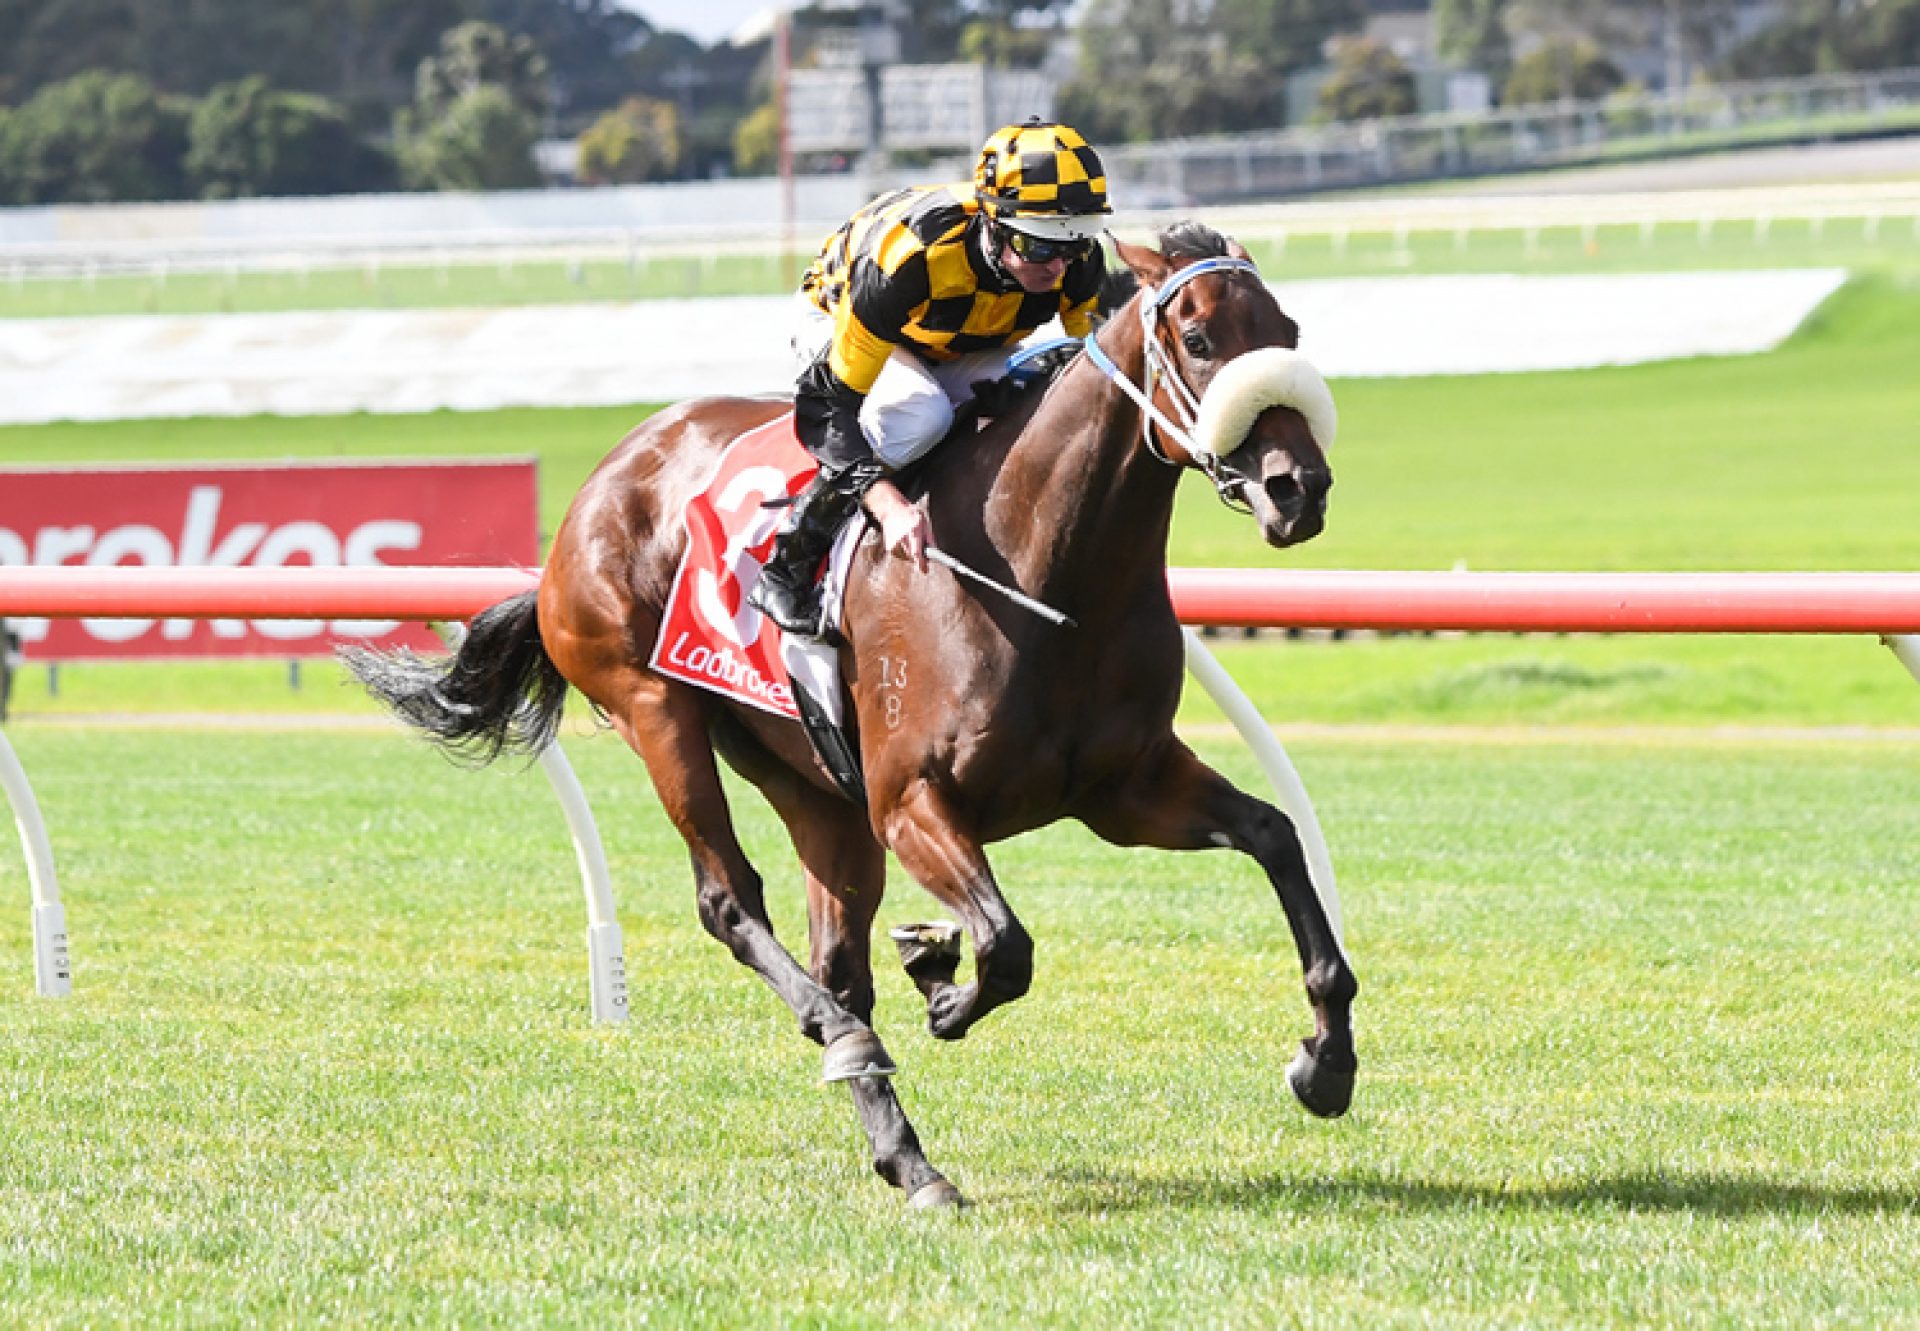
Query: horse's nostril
[1284, 492]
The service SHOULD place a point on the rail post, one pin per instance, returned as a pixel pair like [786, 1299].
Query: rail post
[52, 966]
[606, 951]
[1288, 788]
[1906, 646]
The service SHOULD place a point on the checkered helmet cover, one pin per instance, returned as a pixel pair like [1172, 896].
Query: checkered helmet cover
[1040, 170]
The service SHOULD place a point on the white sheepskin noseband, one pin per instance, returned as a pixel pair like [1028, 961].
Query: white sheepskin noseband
[1248, 384]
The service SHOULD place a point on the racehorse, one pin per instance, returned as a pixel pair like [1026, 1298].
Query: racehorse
[975, 720]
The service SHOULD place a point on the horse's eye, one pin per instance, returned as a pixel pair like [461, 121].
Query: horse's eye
[1195, 342]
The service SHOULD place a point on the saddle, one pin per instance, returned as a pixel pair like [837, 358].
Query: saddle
[712, 638]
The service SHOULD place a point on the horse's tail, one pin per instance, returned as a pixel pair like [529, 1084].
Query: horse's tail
[500, 691]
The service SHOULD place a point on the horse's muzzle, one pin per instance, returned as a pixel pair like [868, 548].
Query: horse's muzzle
[1292, 504]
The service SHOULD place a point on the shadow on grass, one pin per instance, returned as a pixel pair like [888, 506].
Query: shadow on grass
[1085, 1191]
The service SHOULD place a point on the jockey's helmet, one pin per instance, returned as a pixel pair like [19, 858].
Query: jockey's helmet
[1043, 179]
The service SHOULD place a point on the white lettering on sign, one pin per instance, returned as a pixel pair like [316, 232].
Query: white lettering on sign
[202, 544]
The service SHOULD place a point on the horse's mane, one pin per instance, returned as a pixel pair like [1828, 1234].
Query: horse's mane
[1192, 240]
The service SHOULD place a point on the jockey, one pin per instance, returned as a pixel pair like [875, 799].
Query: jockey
[923, 293]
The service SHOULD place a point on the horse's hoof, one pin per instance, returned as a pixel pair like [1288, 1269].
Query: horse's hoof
[938, 1195]
[1323, 1089]
[856, 1054]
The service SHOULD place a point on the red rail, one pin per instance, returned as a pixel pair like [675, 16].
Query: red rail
[1552, 602]
[135, 592]
[1881, 603]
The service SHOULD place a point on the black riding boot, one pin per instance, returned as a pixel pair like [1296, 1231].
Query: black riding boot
[788, 592]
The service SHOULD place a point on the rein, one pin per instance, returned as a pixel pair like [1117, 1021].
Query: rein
[1228, 486]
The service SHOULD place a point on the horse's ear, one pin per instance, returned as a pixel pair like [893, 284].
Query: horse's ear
[1237, 250]
[1149, 265]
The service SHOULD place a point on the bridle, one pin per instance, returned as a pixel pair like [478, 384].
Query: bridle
[1186, 405]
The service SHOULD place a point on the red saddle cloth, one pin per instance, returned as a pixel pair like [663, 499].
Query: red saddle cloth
[709, 635]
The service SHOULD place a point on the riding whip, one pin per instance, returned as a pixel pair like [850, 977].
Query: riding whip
[1021, 599]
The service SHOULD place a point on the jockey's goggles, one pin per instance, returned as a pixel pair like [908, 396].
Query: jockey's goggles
[1045, 249]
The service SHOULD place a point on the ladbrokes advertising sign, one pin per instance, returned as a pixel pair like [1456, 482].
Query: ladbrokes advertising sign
[426, 513]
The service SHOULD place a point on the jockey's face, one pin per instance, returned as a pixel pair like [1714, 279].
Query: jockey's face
[1031, 275]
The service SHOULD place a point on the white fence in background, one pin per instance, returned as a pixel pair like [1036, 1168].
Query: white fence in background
[1887, 212]
[708, 219]
[1401, 148]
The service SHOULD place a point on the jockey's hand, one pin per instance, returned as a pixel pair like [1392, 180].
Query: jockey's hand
[903, 526]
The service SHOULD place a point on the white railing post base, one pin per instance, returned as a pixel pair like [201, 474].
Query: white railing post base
[607, 968]
[606, 959]
[52, 967]
[52, 971]
[1906, 646]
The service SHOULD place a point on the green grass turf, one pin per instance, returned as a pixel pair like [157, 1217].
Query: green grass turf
[1637, 1028]
[1801, 458]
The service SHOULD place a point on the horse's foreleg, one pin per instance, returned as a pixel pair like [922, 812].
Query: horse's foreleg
[846, 872]
[1179, 803]
[932, 843]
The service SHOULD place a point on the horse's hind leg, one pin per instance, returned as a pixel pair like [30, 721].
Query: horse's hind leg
[846, 873]
[1177, 802]
[667, 726]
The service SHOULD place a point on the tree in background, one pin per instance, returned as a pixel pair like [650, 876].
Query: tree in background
[1162, 68]
[1473, 34]
[1538, 22]
[712, 89]
[247, 139]
[1562, 69]
[477, 107]
[638, 141]
[756, 143]
[371, 51]
[1788, 48]
[479, 55]
[1884, 34]
[1829, 36]
[43, 42]
[483, 141]
[1369, 81]
[1005, 34]
[360, 52]
[939, 31]
[1003, 46]
[585, 43]
[1688, 33]
[95, 138]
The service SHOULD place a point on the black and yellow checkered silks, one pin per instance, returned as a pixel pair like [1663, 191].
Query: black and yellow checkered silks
[1040, 170]
[901, 273]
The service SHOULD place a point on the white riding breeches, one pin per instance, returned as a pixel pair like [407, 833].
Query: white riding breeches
[911, 404]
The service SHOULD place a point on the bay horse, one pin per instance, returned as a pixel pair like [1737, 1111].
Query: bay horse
[975, 721]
